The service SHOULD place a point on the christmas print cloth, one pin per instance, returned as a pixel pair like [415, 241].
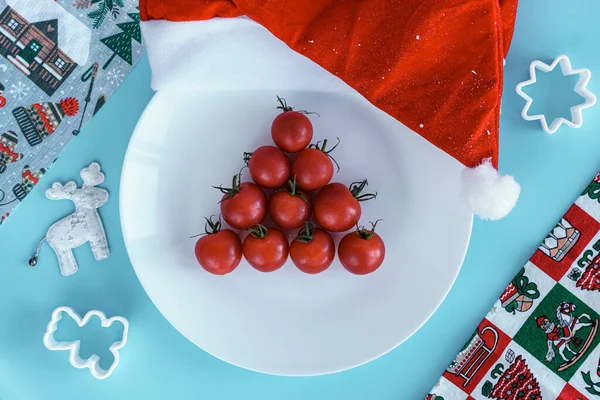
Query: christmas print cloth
[540, 340]
[60, 61]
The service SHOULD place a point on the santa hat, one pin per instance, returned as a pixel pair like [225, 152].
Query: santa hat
[39, 120]
[540, 320]
[435, 66]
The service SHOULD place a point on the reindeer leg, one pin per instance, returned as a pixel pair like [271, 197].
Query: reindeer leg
[99, 246]
[66, 261]
[98, 241]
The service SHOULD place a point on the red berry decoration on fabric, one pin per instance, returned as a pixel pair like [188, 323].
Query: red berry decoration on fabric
[220, 250]
[289, 208]
[313, 250]
[362, 252]
[243, 204]
[291, 130]
[70, 106]
[269, 167]
[313, 167]
[266, 250]
[337, 207]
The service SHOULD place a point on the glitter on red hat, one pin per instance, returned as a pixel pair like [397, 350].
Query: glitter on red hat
[70, 106]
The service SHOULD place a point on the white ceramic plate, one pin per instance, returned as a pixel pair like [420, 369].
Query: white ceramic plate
[286, 322]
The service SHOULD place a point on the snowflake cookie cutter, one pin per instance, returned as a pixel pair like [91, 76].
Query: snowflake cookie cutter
[580, 88]
[93, 362]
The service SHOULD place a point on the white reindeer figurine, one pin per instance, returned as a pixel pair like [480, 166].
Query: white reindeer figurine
[84, 225]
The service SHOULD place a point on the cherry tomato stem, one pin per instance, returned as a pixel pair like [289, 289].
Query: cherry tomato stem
[293, 190]
[214, 226]
[357, 187]
[323, 148]
[365, 233]
[286, 108]
[258, 231]
[306, 234]
[235, 187]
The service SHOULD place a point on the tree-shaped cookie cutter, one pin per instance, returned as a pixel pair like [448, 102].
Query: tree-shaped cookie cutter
[580, 88]
[93, 362]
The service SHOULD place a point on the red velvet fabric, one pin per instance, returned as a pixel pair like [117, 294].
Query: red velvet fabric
[435, 65]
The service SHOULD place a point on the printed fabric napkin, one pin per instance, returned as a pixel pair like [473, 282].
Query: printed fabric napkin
[540, 340]
[61, 60]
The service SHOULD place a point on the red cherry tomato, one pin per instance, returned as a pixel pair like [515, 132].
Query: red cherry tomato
[337, 208]
[361, 252]
[219, 251]
[313, 250]
[269, 167]
[243, 205]
[291, 130]
[265, 249]
[313, 167]
[290, 208]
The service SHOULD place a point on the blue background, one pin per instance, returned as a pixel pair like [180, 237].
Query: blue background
[159, 363]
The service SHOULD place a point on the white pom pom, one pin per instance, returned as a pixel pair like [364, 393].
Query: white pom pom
[488, 194]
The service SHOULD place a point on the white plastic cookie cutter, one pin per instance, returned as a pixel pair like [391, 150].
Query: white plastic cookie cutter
[93, 362]
[580, 88]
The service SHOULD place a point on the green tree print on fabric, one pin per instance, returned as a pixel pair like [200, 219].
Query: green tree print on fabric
[104, 7]
[132, 28]
[120, 43]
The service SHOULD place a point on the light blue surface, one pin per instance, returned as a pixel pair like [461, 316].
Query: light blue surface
[158, 363]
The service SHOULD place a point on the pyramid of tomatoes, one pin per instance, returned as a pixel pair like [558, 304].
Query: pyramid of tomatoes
[300, 199]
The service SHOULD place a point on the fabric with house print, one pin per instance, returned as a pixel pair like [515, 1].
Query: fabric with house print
[61, 60]
[29, 39]
[541, 339]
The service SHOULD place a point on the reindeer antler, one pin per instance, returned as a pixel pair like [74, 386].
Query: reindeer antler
[59, 191]
[91, 175]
